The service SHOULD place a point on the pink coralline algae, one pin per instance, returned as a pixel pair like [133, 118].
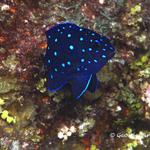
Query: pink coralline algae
[146, 96]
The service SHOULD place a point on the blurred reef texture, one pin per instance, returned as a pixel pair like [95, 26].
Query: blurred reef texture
[115, 117]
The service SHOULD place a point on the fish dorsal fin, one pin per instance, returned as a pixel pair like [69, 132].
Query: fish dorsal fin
[93, 84]
[79, 85]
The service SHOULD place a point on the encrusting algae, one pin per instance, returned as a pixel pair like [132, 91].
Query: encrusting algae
[115, 116]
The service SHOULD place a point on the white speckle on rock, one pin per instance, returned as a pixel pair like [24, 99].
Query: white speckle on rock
[60, 135]
[101, 2]
[118, 108]
[65, 132]
[5, 7]
[15, 145]
[69, 133]
[72, 129]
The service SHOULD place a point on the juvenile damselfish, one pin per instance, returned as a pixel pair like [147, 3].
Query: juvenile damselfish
[74, 55]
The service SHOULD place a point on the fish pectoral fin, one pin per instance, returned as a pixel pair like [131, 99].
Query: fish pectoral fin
[79, 85]
[93, 84]
[55, 83]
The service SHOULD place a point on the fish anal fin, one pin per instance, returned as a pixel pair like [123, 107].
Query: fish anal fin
[93, 84]
[79, 85]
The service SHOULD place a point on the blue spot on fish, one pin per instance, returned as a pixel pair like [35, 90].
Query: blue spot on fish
[103, 56]
[95, 60]
[49, 61]
[82, 60]
[63, 65]
[71, 47]
[56, 69]
[83, 50]
[56, 40]
[78, 69]
[81, 38]
[89, 53]
[69, 63]
[51, 76]
[90, 49]
[69, 35]
[55, 53]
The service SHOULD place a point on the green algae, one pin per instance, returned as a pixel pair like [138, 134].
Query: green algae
[2, 50]
[40, 86]
[2, 101]
[23, 115]
[6, 116]
[93, 147]
[86, 125]
[136, 9]
[128, 97]
[8, 84]
[106, 74]
[145, 73]
[11, 62]
[58, 96]
[141, 63]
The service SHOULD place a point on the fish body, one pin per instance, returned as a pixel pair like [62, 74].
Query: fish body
[74, 55]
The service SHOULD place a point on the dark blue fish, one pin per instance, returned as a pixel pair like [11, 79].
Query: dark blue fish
[74, 55]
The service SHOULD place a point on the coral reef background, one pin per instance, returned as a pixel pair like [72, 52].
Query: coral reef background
[116, 116]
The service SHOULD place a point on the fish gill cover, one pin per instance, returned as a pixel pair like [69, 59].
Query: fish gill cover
[74, 55]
